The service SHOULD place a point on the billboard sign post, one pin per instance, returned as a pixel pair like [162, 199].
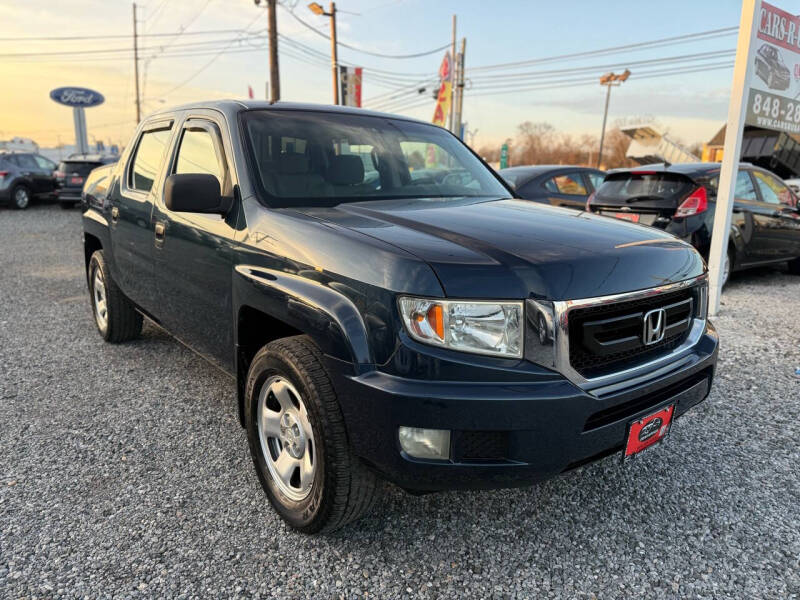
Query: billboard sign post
[749, 25]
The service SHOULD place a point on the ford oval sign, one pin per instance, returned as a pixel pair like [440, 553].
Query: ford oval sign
[77, 97]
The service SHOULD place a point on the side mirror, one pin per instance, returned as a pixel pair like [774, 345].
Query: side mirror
[194, 192]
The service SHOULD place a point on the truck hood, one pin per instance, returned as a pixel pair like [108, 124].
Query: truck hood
[506, 248]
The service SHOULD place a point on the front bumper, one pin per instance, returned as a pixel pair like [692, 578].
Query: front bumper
[506, 433]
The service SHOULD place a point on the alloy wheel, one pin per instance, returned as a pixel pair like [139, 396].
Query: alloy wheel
[21, 197]
[100, 300]
[287, 438]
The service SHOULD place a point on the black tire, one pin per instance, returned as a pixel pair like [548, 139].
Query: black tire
[342, 489]
[21, 197]
[794, 266]
[67, 205]
[730, 255]
[122, 321]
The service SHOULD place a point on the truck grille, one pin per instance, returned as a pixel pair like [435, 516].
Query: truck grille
[611, 337]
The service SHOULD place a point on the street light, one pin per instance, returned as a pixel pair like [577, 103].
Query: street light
[319, 11]
[609, 80]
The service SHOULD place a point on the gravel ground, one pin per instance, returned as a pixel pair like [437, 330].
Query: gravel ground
[124, 473]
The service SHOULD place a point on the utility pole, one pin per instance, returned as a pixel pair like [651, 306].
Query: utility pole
[136, 66]
[334, 54]
[274, 74]
[318, 10]
[459, 73]
[452, 73]
[609, 80]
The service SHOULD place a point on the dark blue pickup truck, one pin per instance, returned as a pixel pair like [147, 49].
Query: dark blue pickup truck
[385, 323]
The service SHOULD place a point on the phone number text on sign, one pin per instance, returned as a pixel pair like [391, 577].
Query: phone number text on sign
[773, 112]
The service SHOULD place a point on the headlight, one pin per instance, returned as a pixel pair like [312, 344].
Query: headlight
[493, 328]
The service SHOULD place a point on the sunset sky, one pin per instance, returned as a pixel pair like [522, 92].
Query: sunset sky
[182, 68]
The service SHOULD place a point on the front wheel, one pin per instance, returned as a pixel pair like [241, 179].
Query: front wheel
[116, 318]
[298, 441]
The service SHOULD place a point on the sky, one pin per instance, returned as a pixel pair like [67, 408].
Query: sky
[179, 68]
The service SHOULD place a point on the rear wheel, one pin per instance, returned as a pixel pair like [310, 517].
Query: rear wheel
[727, 266]
[116, 318]
[21, 197]
[794, 266]
[298, 440]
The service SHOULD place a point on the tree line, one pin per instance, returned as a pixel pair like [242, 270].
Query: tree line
[542, 144]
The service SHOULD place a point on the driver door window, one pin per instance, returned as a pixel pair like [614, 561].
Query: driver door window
[197, 153]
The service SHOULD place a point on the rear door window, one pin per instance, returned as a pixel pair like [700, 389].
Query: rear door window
[148, 159]
[44, 163]
[571, 184]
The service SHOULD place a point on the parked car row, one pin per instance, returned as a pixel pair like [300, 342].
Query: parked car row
[680, 199]
[25, 176]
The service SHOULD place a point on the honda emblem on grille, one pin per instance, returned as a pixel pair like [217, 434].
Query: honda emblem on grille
[655, 326]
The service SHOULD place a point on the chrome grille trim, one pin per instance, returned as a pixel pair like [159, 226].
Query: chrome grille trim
[555, 352]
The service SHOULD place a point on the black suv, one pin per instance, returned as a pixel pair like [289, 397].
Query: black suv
[435, 332]
[72, 173]
[681, 199]
[24, 176]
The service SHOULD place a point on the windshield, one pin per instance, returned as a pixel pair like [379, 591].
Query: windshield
[323, 159]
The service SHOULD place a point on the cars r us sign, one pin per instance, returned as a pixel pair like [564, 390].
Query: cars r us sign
[77, 97]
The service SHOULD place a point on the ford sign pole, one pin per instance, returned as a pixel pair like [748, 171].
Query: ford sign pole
[79, 118]
[748, 28]
[79, 99]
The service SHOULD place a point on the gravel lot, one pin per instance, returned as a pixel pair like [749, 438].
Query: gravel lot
[124, 473]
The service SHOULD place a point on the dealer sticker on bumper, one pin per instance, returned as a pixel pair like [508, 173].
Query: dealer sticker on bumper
[648, 431]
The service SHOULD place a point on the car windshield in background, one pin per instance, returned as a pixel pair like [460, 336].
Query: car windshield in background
[632, 186]
[323, 159]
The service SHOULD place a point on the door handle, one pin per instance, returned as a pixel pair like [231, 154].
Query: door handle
[160, 230]
[114, 215]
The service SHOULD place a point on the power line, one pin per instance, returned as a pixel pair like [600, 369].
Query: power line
[563, 83]
[362, 50]
[577, 82]
[114, 36]
[111, 51]
[693, 37]
[701, 36]
[210, 62]
[597, 68]
[515, 79]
